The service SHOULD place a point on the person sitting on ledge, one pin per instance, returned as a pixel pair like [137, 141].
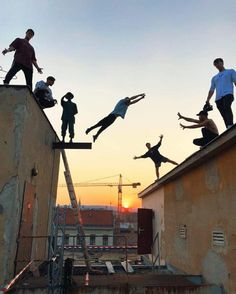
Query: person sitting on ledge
[155, 155]
[44, 94]
[209, 128]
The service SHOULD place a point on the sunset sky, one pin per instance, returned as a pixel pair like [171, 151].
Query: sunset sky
[104, 50]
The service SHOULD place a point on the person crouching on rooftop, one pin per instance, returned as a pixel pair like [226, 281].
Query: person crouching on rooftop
[209, 128]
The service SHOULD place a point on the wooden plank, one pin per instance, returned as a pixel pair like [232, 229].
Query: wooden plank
[81, 145]
[110, 267]
[129, 268]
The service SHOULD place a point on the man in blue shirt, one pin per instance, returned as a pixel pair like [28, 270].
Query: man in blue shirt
[156, 157]
[223, 84]
[119, 110]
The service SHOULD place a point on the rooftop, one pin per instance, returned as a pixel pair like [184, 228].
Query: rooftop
[90, 217]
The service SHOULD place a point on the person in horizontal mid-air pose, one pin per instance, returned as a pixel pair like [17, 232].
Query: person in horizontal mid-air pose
[154, 154]
[209, 128]
[119, 110]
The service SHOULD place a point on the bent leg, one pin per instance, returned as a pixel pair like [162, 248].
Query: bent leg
[199, 142]
[105, 124]
[101, 123]
[12, 72]
[171, 161]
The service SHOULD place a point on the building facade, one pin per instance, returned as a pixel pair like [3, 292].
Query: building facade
[28, 179]
[194, 213]
[98, 227]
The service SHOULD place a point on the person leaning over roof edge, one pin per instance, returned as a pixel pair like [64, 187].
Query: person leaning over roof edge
[209, 128]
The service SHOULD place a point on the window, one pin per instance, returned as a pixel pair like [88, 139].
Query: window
[92, 239]
[67, 238]
[105, 240]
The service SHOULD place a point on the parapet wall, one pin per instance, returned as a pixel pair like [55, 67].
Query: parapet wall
[26, 200]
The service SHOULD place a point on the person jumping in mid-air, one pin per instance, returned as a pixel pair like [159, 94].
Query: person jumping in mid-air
[68, 116]
[154, 154]
[209, 128]
[119, 110]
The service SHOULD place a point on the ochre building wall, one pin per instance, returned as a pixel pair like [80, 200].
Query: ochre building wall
[203, 200]
[26, 138]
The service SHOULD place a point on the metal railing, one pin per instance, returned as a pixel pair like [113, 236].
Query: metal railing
[156, 241]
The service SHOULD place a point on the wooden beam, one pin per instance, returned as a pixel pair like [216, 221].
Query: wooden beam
[61, 145]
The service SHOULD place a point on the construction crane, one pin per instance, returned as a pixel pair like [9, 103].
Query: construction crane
[119, 185]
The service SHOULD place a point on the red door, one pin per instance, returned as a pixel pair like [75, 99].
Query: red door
[145, 230]
[26, 226]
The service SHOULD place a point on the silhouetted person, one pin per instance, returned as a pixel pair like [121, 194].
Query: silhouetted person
[44, 94]
[24, 59]
[154, 154]
[119, 110]
[209, 128]
[68, 115]
[223, 83]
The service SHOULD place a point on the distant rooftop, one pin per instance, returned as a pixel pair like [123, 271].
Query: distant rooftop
[91, 217]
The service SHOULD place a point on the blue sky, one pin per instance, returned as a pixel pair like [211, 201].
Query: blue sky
[105, 50]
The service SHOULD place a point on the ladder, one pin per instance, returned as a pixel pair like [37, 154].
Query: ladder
[76, 210]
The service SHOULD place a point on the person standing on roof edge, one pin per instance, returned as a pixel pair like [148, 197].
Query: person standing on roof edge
[119, 110]
[24, 59]
[209, 128]
[68, 116]
[154, 154]
[223, 83]
[44, 94]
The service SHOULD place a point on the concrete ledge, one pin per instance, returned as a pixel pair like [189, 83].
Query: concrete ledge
[82, 145]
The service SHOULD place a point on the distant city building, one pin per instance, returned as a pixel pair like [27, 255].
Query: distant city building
[98, 226]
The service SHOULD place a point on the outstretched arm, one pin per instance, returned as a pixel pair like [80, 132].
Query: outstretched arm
[11, 48]
[136, 96]
[159, 143]
[138, 157]
[193, 126]
[136, 99]
[187, 118]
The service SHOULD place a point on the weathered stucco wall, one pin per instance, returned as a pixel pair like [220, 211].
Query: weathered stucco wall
[203, 200]
[155, 201]
[26, 138]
